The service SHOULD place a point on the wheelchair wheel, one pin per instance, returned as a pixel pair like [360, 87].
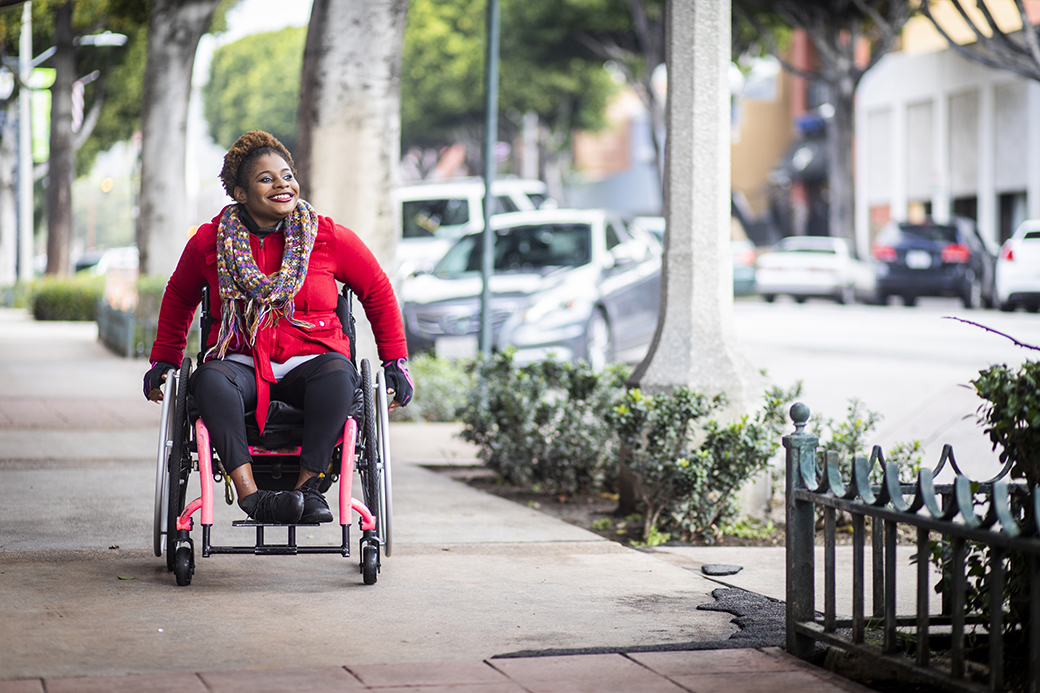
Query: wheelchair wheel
[370, 564]
[369, 464]
[178, 464]
[385, 487]
[184, 565]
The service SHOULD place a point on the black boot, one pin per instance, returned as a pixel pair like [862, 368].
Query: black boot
[274, 507]
[315, 507]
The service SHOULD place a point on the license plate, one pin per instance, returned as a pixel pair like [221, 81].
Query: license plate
[456, 347]
[918, 259]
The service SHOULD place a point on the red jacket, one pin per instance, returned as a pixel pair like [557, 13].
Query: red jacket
[338, 254]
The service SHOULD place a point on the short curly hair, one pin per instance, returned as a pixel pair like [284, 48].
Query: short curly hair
[243, 152]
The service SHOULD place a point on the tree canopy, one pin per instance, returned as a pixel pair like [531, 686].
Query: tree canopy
[543, 67]
[120, 68]
[254, 83]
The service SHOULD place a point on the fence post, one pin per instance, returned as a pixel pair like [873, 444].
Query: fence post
[801, 521]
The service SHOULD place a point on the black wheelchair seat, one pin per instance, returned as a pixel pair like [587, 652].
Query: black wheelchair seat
[284, 426]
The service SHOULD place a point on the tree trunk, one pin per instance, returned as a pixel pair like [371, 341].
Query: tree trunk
[349, 123]
[62, 154]
[841, 185]
[174, 30]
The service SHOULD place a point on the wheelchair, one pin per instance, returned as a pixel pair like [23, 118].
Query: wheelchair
[184, 447]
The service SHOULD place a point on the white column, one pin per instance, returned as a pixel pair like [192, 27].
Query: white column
[696, 344]
[941, 161]
[861, 145]
[1032, 154]
[986, 193]
[899, 154]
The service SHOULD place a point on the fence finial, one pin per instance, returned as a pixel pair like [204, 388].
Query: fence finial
[799, 414]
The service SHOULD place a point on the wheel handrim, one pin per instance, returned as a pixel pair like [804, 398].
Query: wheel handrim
[384, 485]
[161, 486]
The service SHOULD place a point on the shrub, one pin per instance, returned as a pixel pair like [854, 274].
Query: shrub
[59, 298]
[442, 389]
[1010, 413]
[688, 464]
[542, 424]
[848, 439]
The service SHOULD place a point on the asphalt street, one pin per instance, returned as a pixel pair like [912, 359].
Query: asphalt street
[912, 365]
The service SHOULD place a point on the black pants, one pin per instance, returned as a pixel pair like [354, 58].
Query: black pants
[323, 387]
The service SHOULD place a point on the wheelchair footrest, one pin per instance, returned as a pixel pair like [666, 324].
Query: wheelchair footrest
[262, 548]
[254, 523]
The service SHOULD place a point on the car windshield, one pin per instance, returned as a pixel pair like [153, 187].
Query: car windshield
[940, 234]
[424, 217]
[522, 249]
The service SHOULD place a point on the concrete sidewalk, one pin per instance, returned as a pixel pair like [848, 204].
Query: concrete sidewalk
[473, 582]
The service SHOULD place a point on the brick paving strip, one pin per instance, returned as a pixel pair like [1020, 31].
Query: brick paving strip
[705, 671]
[72, 413]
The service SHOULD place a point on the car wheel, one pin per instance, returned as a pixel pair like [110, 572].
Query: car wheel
[909, 300]
[768, 298]
[973, 296]
[799, 299]
[1033, 307]
[598, 346]
[1007, 307]
[847, 296]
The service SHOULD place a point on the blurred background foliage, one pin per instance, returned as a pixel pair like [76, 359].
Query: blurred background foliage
[254, 83]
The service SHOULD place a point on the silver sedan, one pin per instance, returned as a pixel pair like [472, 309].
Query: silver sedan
[574, 284]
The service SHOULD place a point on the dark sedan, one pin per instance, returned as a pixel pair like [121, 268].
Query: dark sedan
[576, 284]
[932, 259]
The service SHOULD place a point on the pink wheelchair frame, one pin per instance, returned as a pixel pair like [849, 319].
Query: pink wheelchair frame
[174, 517]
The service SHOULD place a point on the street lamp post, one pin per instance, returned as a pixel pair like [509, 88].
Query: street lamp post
[26, 64]
[490, 137]
[25, 184]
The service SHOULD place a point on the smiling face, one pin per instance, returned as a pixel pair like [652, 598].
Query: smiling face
[271, 191]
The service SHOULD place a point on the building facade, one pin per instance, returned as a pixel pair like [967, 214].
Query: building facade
[938, 135]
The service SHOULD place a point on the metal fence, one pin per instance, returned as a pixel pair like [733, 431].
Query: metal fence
[973, 520]
[116, 329]
[130, 336]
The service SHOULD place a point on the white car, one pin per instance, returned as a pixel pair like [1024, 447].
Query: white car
[814, 266]
[435, 213]
[1018, 269]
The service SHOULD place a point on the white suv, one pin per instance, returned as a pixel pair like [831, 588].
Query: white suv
[435, 213]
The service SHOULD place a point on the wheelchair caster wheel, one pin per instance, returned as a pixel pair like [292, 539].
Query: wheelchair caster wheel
[183, 565]
[370, 564]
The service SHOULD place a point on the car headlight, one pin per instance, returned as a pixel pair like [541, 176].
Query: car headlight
[546, 306]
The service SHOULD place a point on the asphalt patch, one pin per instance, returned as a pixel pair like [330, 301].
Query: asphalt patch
[761, 621]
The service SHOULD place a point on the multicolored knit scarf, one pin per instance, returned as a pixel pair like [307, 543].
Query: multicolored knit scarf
[249, 298]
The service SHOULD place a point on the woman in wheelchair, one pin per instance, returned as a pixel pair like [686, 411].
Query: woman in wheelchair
[272, 263]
